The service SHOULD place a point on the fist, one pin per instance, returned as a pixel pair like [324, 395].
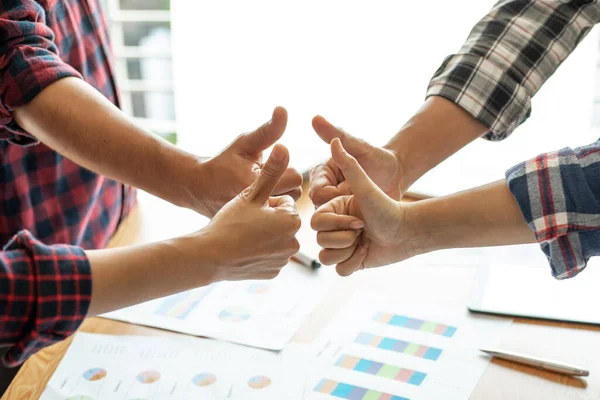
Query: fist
[253, 235]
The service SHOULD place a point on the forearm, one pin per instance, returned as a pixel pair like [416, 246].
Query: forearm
[438, 130]
[131, 275]
[75, 120]
[479, 217]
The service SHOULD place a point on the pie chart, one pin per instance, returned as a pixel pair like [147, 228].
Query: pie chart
[259, 382]
[147, 377]
[204, 379]
[258, 288]
[94, 374]
[234, 314]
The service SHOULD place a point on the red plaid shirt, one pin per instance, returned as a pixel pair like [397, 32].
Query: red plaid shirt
[45, 289]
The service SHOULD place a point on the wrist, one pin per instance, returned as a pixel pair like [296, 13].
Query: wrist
[195, 188]
[195, 257]
[417, 228]
[435, 132]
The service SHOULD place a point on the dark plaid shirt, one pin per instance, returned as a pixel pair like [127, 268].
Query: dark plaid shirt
[507, 57]
[50, 207]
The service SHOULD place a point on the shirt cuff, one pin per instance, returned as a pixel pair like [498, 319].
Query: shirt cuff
[31, 71]
[62, 288]
[558, 203]
[485, 91]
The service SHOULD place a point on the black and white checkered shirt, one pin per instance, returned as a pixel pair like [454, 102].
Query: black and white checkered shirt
[506, 59]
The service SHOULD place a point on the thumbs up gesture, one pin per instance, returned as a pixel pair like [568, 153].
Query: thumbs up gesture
[253, 236]
[362, 230]
[381, 164]
[238, 165]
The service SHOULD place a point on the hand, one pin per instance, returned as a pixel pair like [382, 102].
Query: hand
[327, 180]
[363, 230]
[237, 166]
[253, 236]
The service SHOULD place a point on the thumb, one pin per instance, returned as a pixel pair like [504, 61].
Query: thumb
[361, 185]
[265, 136]
[270, 174]
[327, 132]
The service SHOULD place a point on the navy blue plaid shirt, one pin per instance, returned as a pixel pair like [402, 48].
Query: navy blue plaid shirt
[46, 199]
[507, 57]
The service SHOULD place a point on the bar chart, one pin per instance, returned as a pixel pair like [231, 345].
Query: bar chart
[380, 369]
[398, 346]
[415, 324]
[351, 392]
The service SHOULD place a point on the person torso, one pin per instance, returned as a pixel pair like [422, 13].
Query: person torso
[40, 190]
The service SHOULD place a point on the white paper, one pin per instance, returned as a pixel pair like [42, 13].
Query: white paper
[98, 367]
[446, 362]
[263, 314]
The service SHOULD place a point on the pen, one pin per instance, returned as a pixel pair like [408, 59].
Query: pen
[541, 363]
[305, 260]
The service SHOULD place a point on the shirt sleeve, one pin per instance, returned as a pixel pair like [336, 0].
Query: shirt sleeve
[29, 62]
[509, 55]
[45, 295]
[559, 196]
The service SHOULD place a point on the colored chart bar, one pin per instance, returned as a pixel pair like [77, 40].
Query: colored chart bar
[351, 392]
[180, 305]
[383, 370]
[398, 346]
[415, 324]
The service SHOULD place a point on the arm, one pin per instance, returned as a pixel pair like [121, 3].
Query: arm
[47, 290]
[42, 99]
[484, 89]
[508, 56]
[553, 198]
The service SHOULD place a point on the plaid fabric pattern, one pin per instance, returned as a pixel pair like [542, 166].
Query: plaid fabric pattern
[558, 194]
[45, 290]
[506, 59]
[509, 55]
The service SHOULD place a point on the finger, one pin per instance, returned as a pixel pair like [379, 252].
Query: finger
[359, 182]
[294, 193]
[327, 132]
[337, 239]
[324, 175]
[283, 201]
[336, 256]
[290, 180]
[355, 262]
[270, 174]
[321, 196]
[326, 222]
[265, 136]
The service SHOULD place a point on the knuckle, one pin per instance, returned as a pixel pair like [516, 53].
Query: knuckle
[314, 222]
[296, 222]
[296, 177]
[270, 170]
[322, 239]
[245, 194]
[324, 257]
[295, 246]
[343, 270]
[297, 193]
[286, 198]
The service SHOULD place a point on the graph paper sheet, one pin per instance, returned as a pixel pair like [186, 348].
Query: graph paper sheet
[381, 349]
[98, 367]
[263, 314]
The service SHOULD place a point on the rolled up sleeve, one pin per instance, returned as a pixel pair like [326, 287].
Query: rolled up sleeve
[559, 197]
[508, 56]
[45, 294]
[29, 62]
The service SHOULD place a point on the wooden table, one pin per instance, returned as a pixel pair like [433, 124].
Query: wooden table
[580, 344]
